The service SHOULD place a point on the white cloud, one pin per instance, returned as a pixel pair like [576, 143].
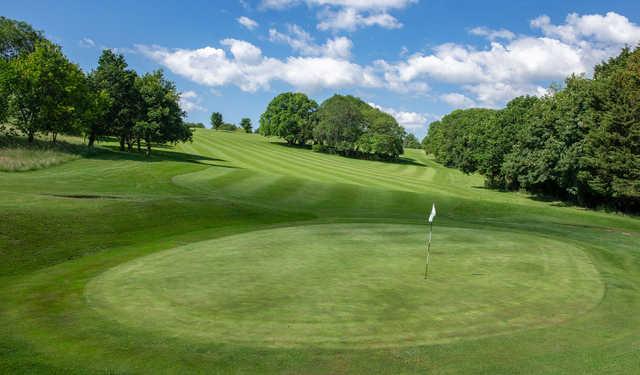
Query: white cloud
[350, 19]
[302, 42]
[349, 14]
[243, 52]
[356, 4]
[279, 4]
[495, 74]
[406, 119]
[492, 34]
[511, 65]
[458, 100]
[251, 71]
[87, 43]
[190, 102]
[247, 22]
[610, 28]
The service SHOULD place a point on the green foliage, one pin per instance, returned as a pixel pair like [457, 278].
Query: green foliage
[195, 125]
[96, 112]
[47, 92]
[118, 83]
[227, 127]
[4, 92]
[410, 141]
[17, 38]
[245, 123]
[340, 124]
[459, 138]
[161, 116]
[382, 136]
[579, 143]
[289, 116]
[216, 120]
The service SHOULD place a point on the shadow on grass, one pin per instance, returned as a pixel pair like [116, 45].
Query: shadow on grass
[40, 144]
[109, 151]
[112, 152]
[553, 201]
[400, 160]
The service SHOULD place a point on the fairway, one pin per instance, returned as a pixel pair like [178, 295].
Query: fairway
[237, 254]
[349, 286]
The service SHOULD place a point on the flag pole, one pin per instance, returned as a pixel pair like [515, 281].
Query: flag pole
[426, 270]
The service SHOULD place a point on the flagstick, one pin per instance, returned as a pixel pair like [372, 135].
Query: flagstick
[426, 270]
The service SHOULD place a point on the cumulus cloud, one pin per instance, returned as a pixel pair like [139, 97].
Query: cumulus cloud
[492, 34]
[517, 65]
[610, 28]
[509, 66]
[302, 42]
[350, 19]
[406, 119]
[458, 100]
[247, 22]
[190, 102]
[249, 70]
[349, 14]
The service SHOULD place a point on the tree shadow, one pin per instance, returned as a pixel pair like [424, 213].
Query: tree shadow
[399, 160]
[112, 152]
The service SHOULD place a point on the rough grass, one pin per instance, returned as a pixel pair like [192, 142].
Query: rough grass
[65, 230]
[17, 155]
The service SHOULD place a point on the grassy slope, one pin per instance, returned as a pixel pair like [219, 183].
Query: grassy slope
[55, 237]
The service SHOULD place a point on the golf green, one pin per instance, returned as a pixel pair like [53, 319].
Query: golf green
[349, 286]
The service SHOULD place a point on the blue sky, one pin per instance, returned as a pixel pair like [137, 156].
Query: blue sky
[417, 59]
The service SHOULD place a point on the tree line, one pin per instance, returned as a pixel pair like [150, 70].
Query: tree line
[217, 123]
[342, 124]
[579, 143]
[42, 92]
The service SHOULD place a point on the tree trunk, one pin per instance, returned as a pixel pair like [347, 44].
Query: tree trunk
[148, 149]
[54, 136]
[129, 145]
[92, 139]
[138, 142]
[30, 136]
[122, 143]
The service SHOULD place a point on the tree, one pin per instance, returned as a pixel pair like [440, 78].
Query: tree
[4, 91]
[245, 123]
[340, 124]
[118, 82]
[459, 138]
[611, 152]
[580, 142]
[96, 112]
[349, 126]
[410, 141]
[161, 117]
[501, 135]
[47, 91]
[228, 127]
[289, 116]
[216, 120]
[195, 125]
[17, 38]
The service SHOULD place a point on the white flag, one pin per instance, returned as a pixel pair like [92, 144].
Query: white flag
[433, 213]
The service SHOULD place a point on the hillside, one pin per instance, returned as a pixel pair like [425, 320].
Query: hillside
[520, 284]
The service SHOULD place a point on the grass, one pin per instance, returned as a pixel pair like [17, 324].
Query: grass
[234, 254]
[16, 155]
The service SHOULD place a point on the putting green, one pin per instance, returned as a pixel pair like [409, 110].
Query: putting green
[350, 285]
